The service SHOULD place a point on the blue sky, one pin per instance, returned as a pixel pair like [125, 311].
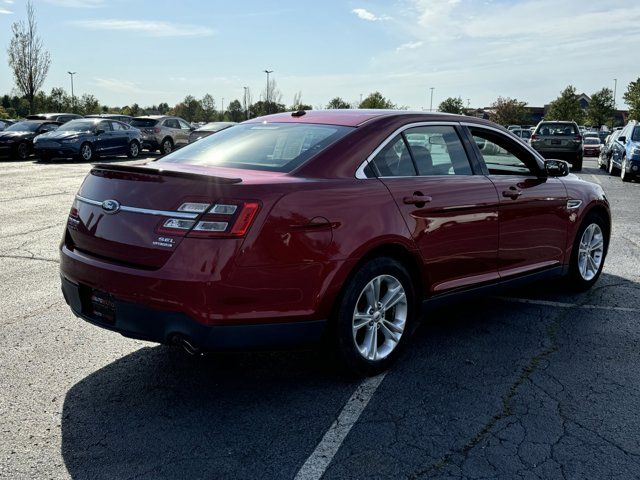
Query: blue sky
[128, 51]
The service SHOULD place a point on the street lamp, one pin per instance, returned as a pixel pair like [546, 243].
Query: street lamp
[431, 102]
[73, 98]
[615, 87]
[222, 111]
[267, 95]
[246, 106]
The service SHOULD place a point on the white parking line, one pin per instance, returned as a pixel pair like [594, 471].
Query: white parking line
[317, 463]
[596, 179]
[567, 305]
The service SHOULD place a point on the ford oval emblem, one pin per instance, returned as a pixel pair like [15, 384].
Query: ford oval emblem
[111, 206]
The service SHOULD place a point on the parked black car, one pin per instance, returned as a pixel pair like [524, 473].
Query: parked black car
[55, 117]
[89, 137]
[16, 141]
[209, 128]
[604, 159]
[112, 116]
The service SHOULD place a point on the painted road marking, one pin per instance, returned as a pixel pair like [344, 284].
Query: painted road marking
[596, 179]
[317, 463]
[567, 305]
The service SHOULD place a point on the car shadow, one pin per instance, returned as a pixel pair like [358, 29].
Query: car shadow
[158, 413]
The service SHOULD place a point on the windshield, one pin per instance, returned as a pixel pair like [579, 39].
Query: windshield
[214, 126]
[143, 122]
[276, 147]
[23, 127]
[78, 126]
[557, 129]
[591, 141]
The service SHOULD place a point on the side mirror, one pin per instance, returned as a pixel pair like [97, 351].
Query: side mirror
[622, 139]
[99, 131]
[556, 168]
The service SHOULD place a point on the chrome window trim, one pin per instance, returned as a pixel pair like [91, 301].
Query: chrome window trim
[539, 158]
[144, 211]
[360, 171]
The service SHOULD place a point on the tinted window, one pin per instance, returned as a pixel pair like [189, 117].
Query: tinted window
[48, 127]
[106, 126]
[501, 155]
[557, 129]
[143, 122]
[116, 126]
[171, 123]
[274, 147]
[636, 134]
[437, 151]
[394, 160]
[184, 125]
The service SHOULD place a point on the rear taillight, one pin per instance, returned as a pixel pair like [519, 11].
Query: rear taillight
[534, 138]
[156, 130]
[223, 219]
[577, 138]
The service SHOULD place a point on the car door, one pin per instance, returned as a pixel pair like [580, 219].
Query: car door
[185, 130]
[533, 214]
[450, 211]
[104, 141]
[120, 138]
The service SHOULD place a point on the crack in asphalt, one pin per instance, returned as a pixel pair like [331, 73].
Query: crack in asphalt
[507, 400]
[32, 257]
[35, 230]
[14, 199]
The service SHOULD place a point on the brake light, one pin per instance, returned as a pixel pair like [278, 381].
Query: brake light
[224, 219]
[578, 138]
[534, 138]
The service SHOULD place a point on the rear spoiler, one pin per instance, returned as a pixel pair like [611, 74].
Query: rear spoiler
[160, 172]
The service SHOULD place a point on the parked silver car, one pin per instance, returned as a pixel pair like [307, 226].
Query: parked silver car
[162, 132]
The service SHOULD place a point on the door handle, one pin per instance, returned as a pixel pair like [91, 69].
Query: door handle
[417, 199]
[512, 193]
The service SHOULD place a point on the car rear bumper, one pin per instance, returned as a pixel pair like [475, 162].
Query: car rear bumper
[569, 156]
[142, 322]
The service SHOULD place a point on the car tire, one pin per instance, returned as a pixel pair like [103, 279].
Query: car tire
[86, 152]
[624, 176]
[134, 149]
[577, 165]
[591, 241]
[166, 147]
[369, 337]
[23, 151]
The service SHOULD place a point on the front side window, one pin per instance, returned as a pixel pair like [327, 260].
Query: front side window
[184, 125]
[501, 155]
[437, 150]
[636, 134]
[276, 147]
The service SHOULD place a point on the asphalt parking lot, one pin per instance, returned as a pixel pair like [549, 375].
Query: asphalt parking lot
[537, 383]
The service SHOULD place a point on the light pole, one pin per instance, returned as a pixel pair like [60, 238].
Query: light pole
[267, 94]
[246, 107]
[615, 88]
[222, 111]
[73, 98]
[431, 102]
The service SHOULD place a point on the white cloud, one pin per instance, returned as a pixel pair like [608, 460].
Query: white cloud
[410, 46]
[365, 14]
[122, 86]
[77, 3]
[149, 28]
[4, 11]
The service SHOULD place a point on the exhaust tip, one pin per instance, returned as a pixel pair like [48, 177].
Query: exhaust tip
[186, 345]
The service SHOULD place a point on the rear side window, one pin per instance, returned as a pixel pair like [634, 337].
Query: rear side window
[437, 150]
[276, 147]
[171, 123]
[394, 160]
[143, 122]
[557, 129]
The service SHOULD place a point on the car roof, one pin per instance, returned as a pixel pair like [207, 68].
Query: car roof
[154, 117]
[357, 117]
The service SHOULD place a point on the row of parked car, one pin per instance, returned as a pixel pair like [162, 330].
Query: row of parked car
[65, 135]
[621, 152]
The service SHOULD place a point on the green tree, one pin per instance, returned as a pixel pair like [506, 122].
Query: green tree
[509, 111]
[163, 108]
[28, 59]
[452, 105]
[601, 108]
[89, 104]
[190, 109]
[376, 100]
[262, 108]
[235, 112]
[338, 102]
[632, 98]
[59, 101]
[208, 107]
[566, 107]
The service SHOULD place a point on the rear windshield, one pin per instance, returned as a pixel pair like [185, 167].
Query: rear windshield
[592, 141]
[557, 129]
[143, 122]
[276, 147]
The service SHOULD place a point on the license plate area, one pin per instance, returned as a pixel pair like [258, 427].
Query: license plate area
[556, 142]
[98, 305]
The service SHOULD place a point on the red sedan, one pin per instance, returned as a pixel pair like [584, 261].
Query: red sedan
[323, 224]
[592, 147]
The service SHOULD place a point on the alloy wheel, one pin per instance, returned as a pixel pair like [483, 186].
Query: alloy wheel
[134, 150]
[166, 147]
[23, 151]
[380, 317]
[86, 152]
[590, 252]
